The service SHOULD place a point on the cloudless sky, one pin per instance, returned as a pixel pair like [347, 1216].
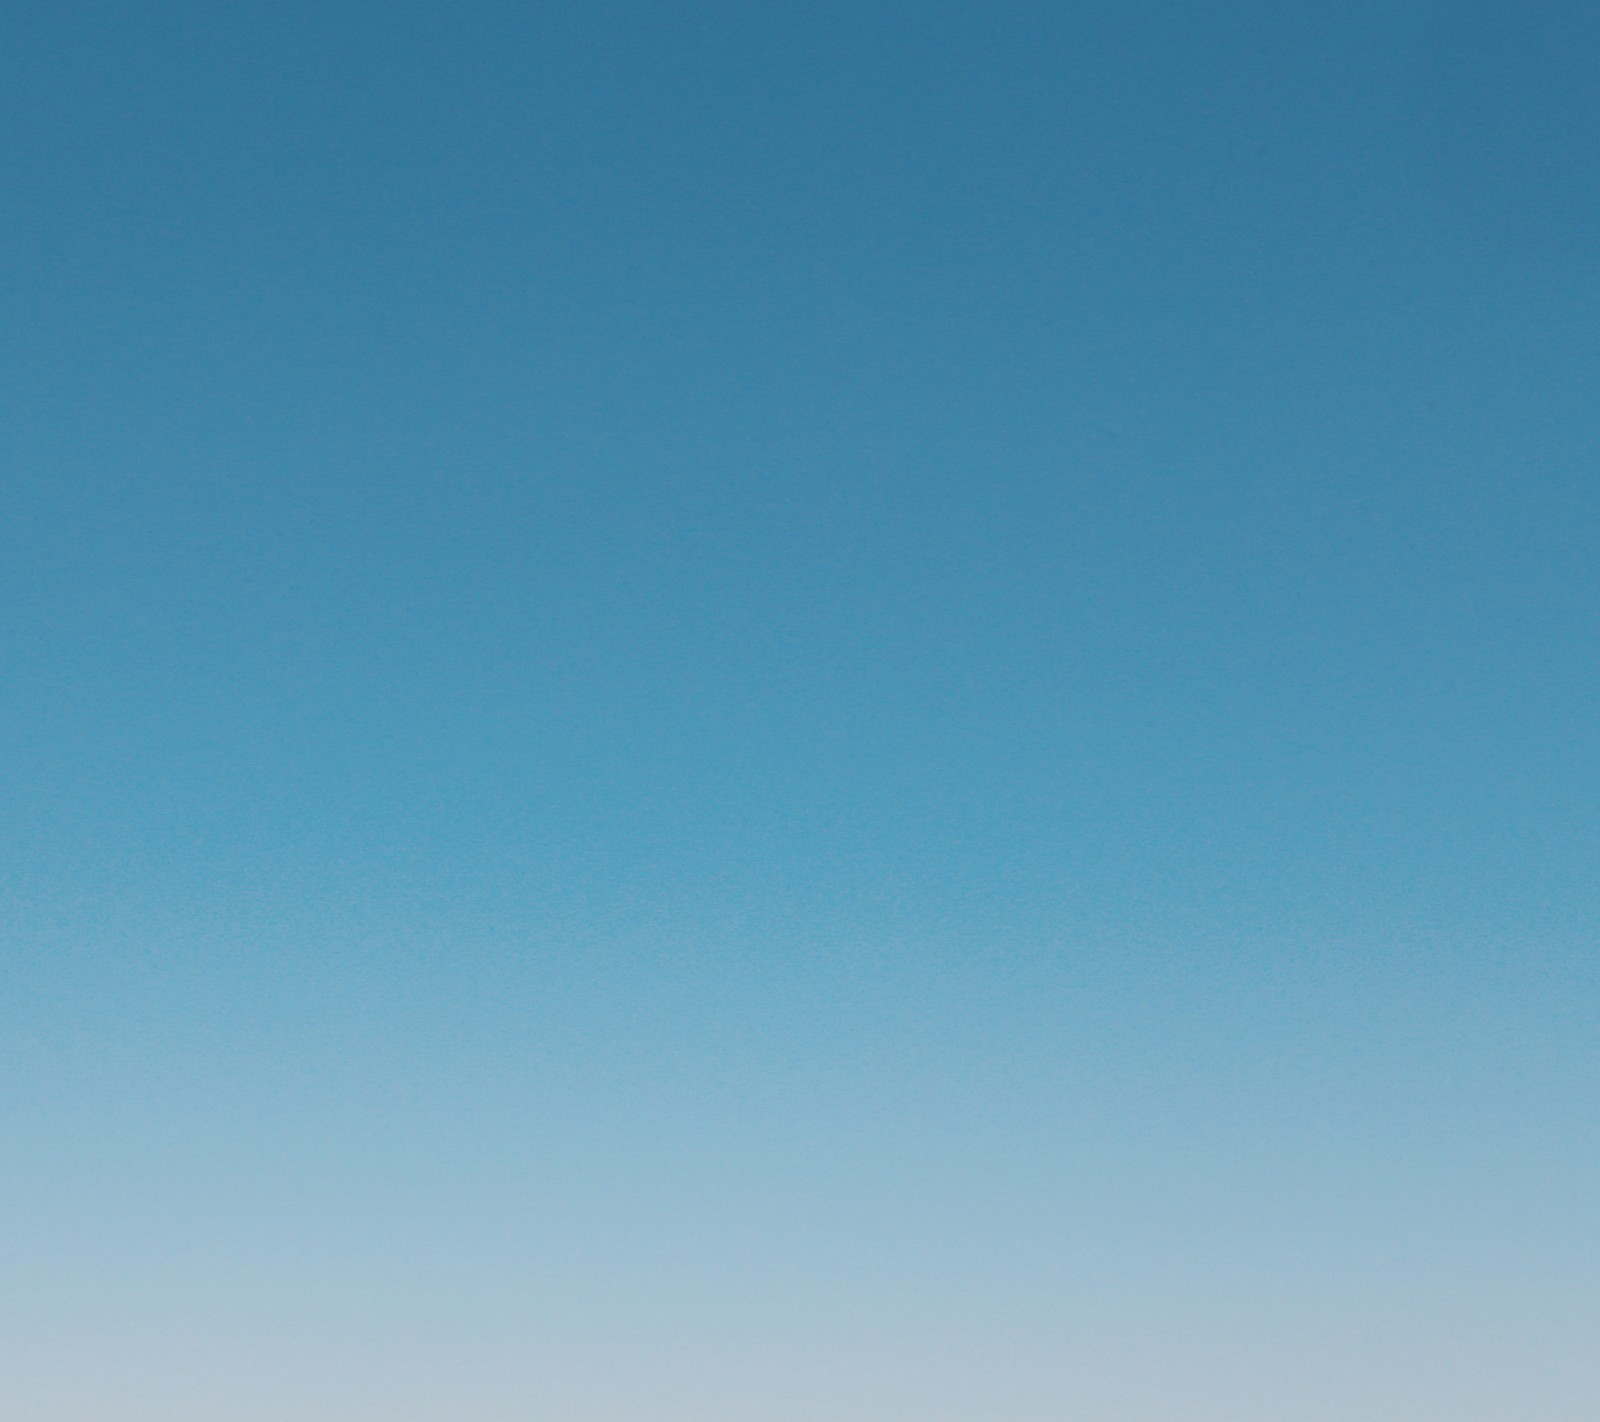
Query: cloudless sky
[860, 711]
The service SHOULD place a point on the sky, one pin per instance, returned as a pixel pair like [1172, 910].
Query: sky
[715, 712]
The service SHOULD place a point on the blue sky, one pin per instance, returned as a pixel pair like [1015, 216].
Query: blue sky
[857, 711]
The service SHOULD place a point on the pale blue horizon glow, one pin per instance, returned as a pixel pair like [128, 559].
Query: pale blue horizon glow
[774, 712]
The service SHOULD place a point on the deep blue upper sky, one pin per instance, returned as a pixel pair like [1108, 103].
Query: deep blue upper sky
[1050, 438]
[854, 549]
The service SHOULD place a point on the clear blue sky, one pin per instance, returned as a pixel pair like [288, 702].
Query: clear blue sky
[717, 712]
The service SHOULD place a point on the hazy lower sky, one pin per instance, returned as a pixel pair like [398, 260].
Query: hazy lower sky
[722, 712]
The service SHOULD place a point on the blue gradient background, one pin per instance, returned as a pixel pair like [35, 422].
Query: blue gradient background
[856, 711]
